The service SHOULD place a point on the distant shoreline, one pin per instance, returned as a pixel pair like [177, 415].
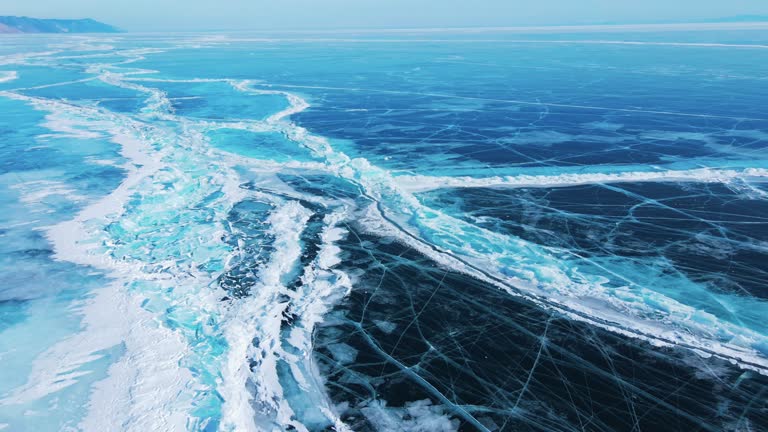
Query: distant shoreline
[587, 28]
[757, 25]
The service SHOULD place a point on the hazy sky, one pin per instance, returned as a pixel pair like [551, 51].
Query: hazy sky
[313, 14]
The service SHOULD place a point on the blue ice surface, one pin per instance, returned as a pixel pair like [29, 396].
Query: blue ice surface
[38, 292]
[564, 275]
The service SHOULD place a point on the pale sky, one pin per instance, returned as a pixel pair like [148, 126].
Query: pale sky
[149, 15]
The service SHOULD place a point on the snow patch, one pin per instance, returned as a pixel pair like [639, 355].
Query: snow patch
[7, 76]
[703, 175]
[417, 416]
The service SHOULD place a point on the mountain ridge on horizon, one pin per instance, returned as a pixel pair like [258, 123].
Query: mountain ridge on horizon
[23, 24]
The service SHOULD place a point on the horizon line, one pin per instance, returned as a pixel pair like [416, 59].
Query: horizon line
[748, 25]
